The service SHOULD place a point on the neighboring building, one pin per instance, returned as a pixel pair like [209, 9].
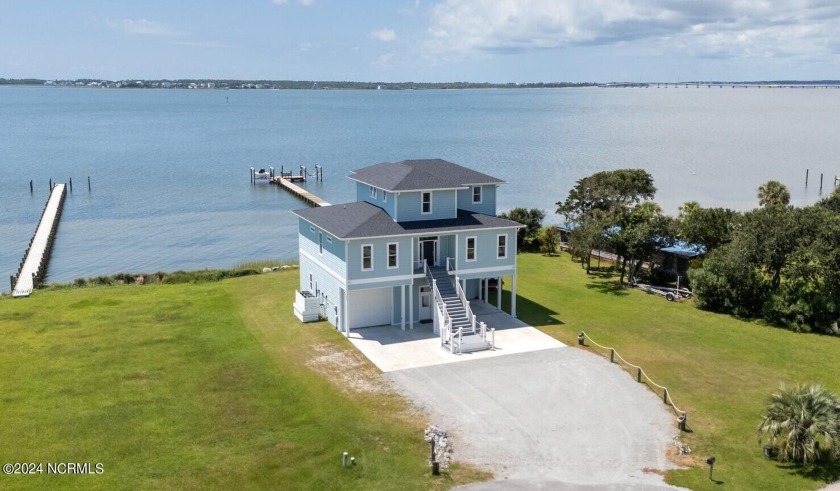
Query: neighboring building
[674, 261]
[415, 224]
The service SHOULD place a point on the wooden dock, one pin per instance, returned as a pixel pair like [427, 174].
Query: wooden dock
[299, 191]
[34, 264]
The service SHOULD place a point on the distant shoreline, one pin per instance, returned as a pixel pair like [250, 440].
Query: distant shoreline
[227, 84]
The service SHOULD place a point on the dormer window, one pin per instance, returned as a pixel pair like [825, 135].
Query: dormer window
[426, 202]
[372, 192]
[476, 194]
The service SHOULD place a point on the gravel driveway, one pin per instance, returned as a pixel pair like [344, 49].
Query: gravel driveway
[559, 418]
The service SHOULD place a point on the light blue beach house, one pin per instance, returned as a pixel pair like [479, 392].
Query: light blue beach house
[421, 240]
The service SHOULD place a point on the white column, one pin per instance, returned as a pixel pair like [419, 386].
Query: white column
[486, 290]
[402, 307]
[513, 296]
[411, 305]
[499, 293]
[346, 313]
[513, 284]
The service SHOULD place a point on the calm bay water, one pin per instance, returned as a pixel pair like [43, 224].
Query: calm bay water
[169, 168]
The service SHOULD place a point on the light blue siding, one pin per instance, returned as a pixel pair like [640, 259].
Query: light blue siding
[384, 199]
[380, 260]
[486, 251]
[488, 200]
[444, 205]
[327, 287]
[333, 247]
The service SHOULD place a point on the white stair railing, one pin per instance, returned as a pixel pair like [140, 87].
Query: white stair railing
[466, 303]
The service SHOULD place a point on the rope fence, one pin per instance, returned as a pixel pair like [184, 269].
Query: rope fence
[682, 416]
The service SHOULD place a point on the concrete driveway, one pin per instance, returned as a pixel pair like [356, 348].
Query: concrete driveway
[390, 348]
[558, 418]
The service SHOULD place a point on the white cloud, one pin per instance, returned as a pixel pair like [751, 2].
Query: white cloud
[143, 27]
[280, 2]
[710, 28]
[384, 35]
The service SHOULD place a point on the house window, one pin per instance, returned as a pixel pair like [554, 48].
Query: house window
[385, 196]
[393, 249]
[329, 240]
[426, 206]
[312, 229]
[367, 257]
[470, 248]
[311, 282]
[321, 243]
[501, 243]
[372, 192]
[476, 191]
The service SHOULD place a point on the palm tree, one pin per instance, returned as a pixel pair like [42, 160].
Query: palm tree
[773, 193]
[796, 418]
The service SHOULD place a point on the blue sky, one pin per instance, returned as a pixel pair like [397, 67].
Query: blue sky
[422, 41]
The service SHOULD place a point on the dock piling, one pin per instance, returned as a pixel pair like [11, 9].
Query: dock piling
[88, 183]
[806, 177]
[821, 180]
[71, 184]
[31, 189]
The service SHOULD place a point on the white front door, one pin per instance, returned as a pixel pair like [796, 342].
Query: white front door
[425, 303]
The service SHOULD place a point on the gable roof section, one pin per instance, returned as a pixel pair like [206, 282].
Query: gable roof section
[360, 219]
[416, 175]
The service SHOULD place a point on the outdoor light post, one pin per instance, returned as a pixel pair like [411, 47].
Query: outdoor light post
[580, 338]
[711, 462]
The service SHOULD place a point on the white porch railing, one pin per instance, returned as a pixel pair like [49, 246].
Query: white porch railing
[450, 264]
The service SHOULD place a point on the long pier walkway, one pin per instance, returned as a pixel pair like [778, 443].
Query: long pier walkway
[35, 259]
[300, 192]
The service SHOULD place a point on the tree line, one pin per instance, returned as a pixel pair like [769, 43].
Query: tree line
[777, 262]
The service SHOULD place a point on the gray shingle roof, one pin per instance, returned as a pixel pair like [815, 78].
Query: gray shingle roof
[415, 175]
[360, 219]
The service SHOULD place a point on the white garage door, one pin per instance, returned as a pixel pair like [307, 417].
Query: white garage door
[370, 307]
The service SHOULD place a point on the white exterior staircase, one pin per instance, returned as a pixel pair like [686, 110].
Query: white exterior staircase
[459, 329]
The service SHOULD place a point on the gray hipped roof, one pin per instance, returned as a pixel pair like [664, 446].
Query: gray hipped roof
[360, 219]
[416, 175]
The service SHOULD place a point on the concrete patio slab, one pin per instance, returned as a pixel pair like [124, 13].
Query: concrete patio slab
[390, 348]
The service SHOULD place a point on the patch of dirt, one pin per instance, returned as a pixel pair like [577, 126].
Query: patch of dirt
[349, 370]
[684, 460]
[658, 472]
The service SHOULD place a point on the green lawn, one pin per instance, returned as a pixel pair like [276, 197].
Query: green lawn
[216, 385]
[718, 369]
[196, 386]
